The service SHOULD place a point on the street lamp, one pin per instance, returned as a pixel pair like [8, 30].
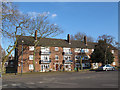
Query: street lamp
[22, 58]
[105, 55]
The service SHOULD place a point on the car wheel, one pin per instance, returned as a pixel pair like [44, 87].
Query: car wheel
[106, 69]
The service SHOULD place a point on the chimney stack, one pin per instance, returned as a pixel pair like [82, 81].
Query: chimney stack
[35, 34]
[85, 40]
[68, 38]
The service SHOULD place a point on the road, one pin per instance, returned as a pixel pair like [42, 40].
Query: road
[89, 79]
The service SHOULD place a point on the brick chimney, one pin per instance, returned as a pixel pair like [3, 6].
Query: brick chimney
[68, 38]
[35, 34]
[85, 40]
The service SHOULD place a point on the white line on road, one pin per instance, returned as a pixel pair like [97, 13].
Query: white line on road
[40, 82]
[30, 83]
[5, 85]
[15, 84]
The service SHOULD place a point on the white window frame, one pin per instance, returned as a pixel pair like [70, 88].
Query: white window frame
[43, 57]
[45, 49]
[67, 56]
[31, 68]
[56, 48]
[112, 51]
[92, 50]
[77, 56]
[114, 63]
[30, 57]
[77, 50]
[31, 48]
[66, 49]
[56, 58]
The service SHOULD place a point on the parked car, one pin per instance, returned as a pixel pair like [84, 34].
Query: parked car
[106, 68]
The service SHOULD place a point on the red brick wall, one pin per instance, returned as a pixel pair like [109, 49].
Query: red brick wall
[26, 60]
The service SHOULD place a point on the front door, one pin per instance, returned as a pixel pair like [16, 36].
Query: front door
[56, 67]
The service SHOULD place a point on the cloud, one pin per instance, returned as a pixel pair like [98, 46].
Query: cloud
[35, 14]
[55, 24]
[54, 15]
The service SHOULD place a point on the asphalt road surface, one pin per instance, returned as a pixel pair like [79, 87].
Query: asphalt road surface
[89, 79]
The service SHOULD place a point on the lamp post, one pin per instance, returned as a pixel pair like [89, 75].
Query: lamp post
[81, 60]
[22, 59]
[105, 55]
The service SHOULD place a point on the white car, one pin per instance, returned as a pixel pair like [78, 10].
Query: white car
[106, 68]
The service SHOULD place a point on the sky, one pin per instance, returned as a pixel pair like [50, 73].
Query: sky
[92, 18]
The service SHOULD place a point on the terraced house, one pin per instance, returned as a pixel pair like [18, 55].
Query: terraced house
[53, 54]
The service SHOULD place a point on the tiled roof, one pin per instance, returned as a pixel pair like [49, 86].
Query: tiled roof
[29, 40]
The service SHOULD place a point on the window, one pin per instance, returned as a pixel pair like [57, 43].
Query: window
[56, 48]
[56, 57]
[86, 57]
[77, 57]
[67, 57]
[30, 66]
[66, 50]
[114, 63]
[86, 50]
[30, 57]
[31, 48]
[77, 50]
[11, 62]
[44, 57]
[45, 49]
[92, 50]
[112, 51]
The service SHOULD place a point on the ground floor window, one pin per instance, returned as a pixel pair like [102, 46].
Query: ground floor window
[67, 67]
[31, 67]
[44, 67]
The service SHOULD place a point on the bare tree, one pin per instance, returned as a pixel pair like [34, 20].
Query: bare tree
[109, 39]
[16, 24]
[44, 29]
[80, 36]
[13, 24]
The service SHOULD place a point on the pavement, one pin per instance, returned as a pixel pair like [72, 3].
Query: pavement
[89, 79]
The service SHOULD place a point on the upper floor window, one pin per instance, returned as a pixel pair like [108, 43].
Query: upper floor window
[44, 57]
[77, 57]
[67, 57]
[56, 57]
[31, 48]
[45, 49]
[112, 51]
[56, 48]
[85, 50]
[77, 50]
[66, 50]
[30, 57]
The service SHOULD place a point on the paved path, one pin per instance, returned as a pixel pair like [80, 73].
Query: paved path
[63, 80]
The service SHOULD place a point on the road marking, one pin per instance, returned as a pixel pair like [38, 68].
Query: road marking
[5, 85]
[30, 83]
[112, 85]
[15, 84]
[40, 82]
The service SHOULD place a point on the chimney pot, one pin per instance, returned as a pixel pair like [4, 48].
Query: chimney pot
[35, 34]
[85, 40]
[68, 38]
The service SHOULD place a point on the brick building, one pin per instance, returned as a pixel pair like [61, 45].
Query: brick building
[54, 54]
